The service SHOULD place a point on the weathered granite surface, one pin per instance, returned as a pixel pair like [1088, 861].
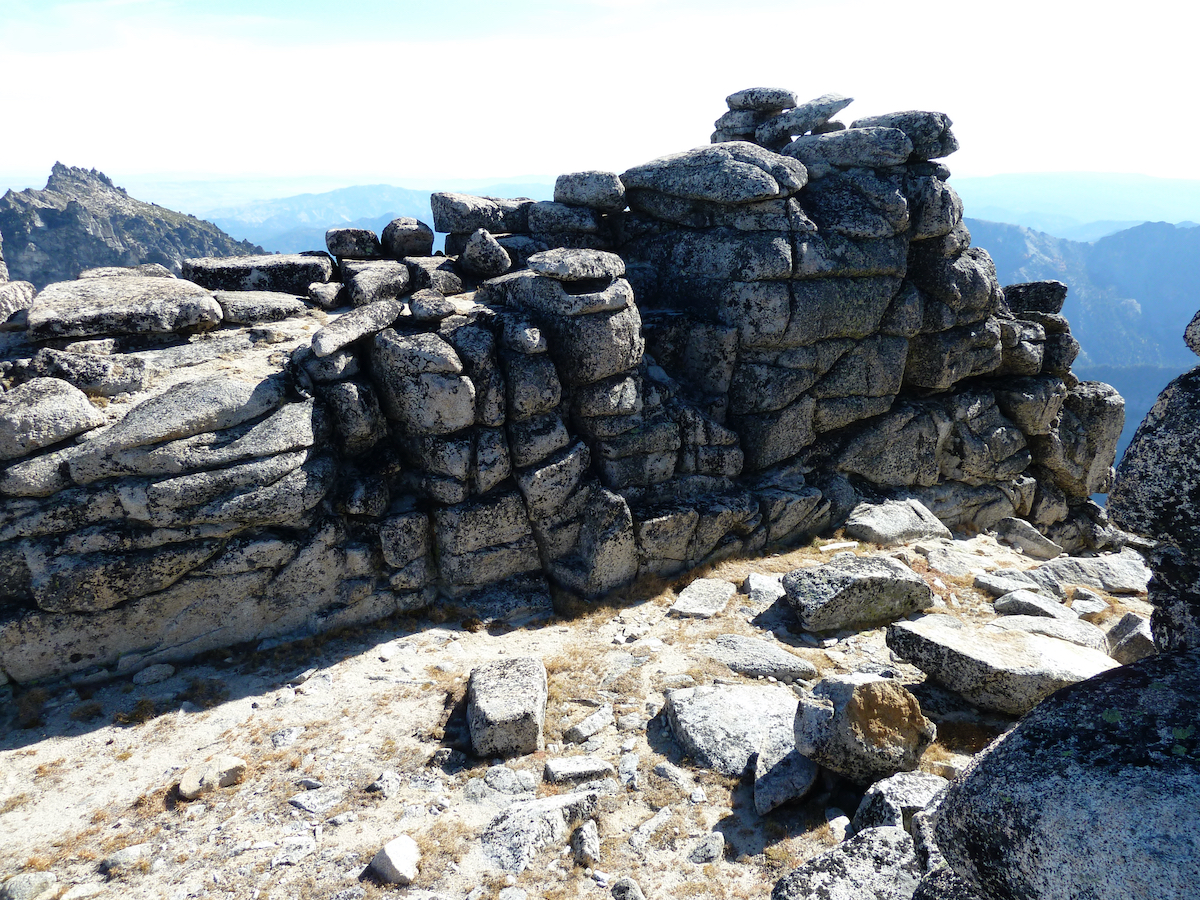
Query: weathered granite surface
[580, 396]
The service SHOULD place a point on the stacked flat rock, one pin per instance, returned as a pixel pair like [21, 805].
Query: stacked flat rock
[703, 356]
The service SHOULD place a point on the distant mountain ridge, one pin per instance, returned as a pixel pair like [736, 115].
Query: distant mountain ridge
[81, 220]
[1131, 293]
[1080, 206]
[294, 224]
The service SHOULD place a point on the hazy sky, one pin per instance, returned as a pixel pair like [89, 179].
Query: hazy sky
[409, 92]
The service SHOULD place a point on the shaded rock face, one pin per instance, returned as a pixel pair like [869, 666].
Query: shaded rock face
[1091, 795]
[715, 371]
[81, 220]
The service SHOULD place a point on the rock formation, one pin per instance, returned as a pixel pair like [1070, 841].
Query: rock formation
[276, 445]
[81, 220]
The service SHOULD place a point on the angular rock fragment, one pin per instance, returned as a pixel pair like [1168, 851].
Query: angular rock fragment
[722, 726]
[876, 864]
[757, 658]
[506, 707]
[894, 522]
[41, 412]
[863, 727]
[855, 590]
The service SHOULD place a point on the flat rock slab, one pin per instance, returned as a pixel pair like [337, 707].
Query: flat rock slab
[722, 726]
[1076, 631]
[1118, 573]
[132, 305]
[721, 173]
[1006, 671]
[894, 522]
[758, 658]
[506, 706]
[703, 599]
[41, 412]
[291, 273]
[1092, 795]
[855, 591]
[251, 307]
[577, 768]
[564, 264]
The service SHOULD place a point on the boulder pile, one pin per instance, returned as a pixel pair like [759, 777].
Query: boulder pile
[712, 354]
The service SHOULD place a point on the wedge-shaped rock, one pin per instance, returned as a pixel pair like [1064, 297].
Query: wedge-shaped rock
[863, 727]
[855, 591]
[803, 118]
[1026, 603]
[893, 801]
[291, 273]
[1118, 573]
[735, 172]
[894, 522]
[98, 306]
[781, 772]
[876, 864]
[722, 726]
[98, 581]
[1009, 671]
[1063, 805]
[42, 412]
[506, 707]
[757, 658]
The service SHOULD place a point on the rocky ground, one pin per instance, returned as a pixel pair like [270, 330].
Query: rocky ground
[354, 739]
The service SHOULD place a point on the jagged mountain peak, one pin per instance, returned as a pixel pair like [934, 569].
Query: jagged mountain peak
[81, 220]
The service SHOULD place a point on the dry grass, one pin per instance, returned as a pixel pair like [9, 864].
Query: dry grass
[16, 801]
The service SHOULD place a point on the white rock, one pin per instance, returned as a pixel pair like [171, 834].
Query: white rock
[398, 861]
[154, 674]
[221, 771]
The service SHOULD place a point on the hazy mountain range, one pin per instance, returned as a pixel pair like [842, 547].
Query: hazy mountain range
[293, 224]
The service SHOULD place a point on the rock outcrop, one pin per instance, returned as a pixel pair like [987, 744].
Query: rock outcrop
[81, 221]
[277, 445]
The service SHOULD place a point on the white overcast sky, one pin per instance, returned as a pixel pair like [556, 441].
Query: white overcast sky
[411, 92]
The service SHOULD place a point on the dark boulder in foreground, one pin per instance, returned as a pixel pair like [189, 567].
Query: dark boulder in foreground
[1092, 795]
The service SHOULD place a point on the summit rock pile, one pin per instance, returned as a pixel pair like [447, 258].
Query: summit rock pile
[713, 354]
